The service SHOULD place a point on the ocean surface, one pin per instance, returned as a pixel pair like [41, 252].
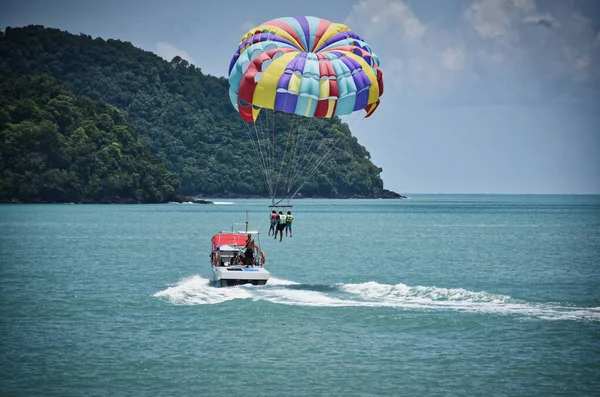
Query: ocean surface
[437, 295]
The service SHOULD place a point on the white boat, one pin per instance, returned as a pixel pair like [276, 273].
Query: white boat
[233, 264]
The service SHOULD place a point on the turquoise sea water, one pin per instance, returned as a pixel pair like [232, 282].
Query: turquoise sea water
[436, 295]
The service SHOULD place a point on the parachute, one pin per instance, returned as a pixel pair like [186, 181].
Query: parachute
[299, 69]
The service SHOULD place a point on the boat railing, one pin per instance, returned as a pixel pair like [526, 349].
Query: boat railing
[234, 225]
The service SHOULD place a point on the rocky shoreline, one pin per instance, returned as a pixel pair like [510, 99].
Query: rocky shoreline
[384, 194]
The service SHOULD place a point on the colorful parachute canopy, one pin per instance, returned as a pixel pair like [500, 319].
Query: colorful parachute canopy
[304, 65]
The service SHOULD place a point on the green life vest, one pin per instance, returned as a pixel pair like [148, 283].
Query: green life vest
[282, 219]
[290, 218]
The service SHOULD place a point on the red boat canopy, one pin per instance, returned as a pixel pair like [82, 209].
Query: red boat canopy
[228, 239]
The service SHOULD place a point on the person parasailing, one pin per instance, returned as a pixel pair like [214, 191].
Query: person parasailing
[288, 223]
[273, 218]
[282, 221]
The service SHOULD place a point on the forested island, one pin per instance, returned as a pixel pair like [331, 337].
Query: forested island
[100, 121]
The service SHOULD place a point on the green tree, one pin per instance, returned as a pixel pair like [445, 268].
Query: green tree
[58, 147]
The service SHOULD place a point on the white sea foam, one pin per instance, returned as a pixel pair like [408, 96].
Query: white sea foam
[376, 292]
[196, 290]
[278, 281]
[191, 202]
[297, 297]
[458, 299]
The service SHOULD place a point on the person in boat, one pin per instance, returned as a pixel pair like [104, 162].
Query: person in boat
[281, 226]
[288, 223]
[274, 220]
[213, 253]
[216, 253]
[249, 253]
[235, 259]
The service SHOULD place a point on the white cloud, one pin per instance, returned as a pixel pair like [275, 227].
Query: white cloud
[525, 5]
[557, 43]
[545, 20]
[247, 25]
[383, 15]
[582, 62]
[494, 19]
[499, 47]
[582, 68]
[414, 28]
[418, 60]
[454, 58]
[501, 19]
[168, 51]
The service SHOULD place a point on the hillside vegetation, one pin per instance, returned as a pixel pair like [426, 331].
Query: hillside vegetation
[183, 116]
[57, 147]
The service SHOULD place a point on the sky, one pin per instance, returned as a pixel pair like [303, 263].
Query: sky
[481, 96]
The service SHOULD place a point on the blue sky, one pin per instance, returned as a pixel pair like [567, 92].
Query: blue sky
[481, 96]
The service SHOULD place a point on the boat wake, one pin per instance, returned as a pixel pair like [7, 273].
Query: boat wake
[197, 290]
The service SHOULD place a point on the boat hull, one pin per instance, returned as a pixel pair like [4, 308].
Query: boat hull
[227, 276]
